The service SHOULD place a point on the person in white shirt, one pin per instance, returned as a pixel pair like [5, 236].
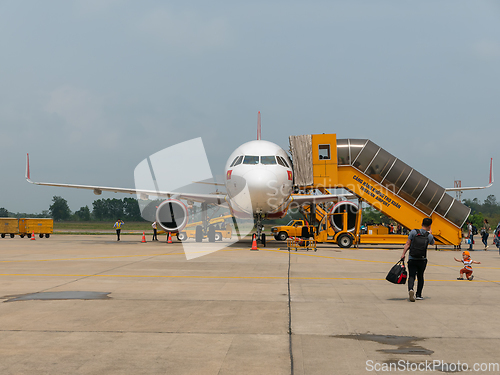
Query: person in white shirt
[155, 237]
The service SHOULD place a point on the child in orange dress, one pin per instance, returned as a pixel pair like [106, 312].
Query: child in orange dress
[467, 261]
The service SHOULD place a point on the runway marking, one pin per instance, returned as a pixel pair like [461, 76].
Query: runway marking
[369, 261]
[225, 277]
[103, 257]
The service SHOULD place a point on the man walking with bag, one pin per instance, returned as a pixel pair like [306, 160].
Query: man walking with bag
[418, 241]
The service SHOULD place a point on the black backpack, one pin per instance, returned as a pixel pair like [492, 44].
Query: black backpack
[418, 246]
[474, 230]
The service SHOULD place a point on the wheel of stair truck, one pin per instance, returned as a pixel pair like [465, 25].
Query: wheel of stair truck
[47, 235]
[40, 235]
[29, 235]
[211, 233]
[12, 235]
[21, 235]
[199, 234]
[218, 236]
[182, 236]
[345, 241]
[3, 235]
[263, 239]
[282, 236]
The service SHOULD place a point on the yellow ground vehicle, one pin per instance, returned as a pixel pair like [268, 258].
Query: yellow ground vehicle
[9, 227]
[218, 224]
[293, 229]
[370, 173]
[346, 236]
[42, 227]
[220, 233]
[26, 227]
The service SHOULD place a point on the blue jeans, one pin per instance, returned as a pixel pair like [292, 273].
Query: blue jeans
[471, 241]
[484, 238]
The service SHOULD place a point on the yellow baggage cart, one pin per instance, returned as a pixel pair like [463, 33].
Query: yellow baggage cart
[42, 227]
[9, 226]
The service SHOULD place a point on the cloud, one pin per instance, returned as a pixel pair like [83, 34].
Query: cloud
[90, 7]
[82, 115]
[488, 49]
[185, 30]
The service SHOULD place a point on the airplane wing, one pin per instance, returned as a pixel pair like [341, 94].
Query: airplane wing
[144, 194]
[479, 187]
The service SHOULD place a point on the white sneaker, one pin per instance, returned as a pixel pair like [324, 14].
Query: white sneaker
[412, 295]
[419, 298]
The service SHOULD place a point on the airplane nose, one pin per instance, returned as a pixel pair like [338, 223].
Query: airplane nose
[263, 188]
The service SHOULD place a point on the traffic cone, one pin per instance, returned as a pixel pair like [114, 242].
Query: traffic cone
[33, 236]
[254, 242]
[169, 238]
[143, 237]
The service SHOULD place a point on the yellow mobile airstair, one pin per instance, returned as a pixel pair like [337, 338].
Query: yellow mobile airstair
[378, 178]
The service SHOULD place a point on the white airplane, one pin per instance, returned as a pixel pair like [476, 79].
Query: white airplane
[258, 172]
[459, 189]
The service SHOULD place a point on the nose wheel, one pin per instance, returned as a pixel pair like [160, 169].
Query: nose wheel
[261, 237]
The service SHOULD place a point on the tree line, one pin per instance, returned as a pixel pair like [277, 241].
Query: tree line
[102, 210]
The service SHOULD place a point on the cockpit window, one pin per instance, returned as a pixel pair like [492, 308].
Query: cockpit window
[268, 160]
[237, 161]
[251, 160]
[282, 161]
[234, 161]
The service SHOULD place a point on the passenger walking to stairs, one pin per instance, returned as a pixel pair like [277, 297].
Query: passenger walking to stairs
[485, 233]
[496, 240]
[467, 261]
[118, 227]
[417, 243]
[470, 235]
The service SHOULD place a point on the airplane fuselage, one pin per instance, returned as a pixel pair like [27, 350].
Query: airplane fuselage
[259, 179]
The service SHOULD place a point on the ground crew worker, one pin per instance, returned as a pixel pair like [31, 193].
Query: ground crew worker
[155, 237]
[467, 261]
[118, 227]
[417, 243]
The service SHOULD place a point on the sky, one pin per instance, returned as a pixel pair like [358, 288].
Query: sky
[90, 88]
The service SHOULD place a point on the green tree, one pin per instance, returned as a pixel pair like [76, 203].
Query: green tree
[83, 214]
[131, 209]
[4, 212]
[115, 207]
[100, 209]
[59, 210]
[372, 216]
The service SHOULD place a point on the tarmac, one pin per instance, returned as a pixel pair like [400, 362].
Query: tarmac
[91, 305]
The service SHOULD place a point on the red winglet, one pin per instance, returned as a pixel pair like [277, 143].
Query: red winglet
[491, 170]
[28, 166]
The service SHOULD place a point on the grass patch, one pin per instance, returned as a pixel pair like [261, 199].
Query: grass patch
[89, 226]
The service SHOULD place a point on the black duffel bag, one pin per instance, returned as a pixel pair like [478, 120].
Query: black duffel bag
[397, 274]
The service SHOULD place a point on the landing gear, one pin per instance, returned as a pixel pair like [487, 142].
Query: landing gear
[199, 233]
[211, 233]
[261, 237]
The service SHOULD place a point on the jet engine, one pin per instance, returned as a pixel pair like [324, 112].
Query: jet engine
[352, 212]
[172, 215]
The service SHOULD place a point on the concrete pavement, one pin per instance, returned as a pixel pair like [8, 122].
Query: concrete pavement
[227, 312]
